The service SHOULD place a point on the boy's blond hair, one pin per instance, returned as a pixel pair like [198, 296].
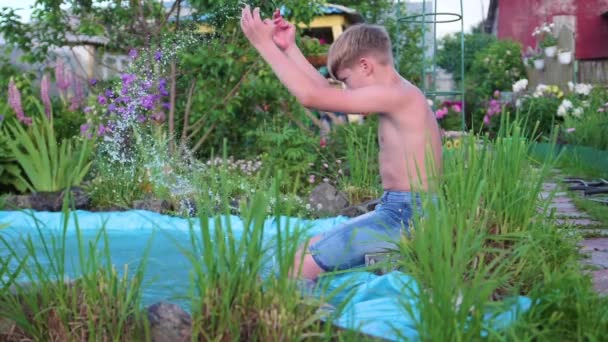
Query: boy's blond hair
[358, 41]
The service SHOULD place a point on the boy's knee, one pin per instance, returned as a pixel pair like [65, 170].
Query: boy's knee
[309, 269]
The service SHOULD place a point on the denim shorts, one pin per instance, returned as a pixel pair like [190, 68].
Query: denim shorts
[346, 245]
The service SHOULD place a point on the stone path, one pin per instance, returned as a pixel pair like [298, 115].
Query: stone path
[596, 249]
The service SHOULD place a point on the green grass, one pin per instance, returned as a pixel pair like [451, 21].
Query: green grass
[480, 244]
[598, 211]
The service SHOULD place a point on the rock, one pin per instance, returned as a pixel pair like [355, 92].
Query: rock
[152, 204]
[325, 199]
[49, 201]
[359, 209]
[600, 282]
[17, 202]
[187, 207]
[169, 323]
[596, 244]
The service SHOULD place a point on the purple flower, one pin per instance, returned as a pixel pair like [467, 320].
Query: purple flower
[158, 55]
[112, 107]
[93, 81]
[87, 109]
[1, 117]
[127, 79]
[148, 101]
[133, 53]
[141, 118]
[486, 120]
[101, 130]
[147, 85]
[109, 93]
[101, 99]
[84, 128]
[166, 105]
[124, 99]
[162, 87]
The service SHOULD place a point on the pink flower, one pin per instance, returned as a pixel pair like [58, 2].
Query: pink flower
[601, 110]
[311, 179]
[440, 113]
[14, 100]
[323, 143]
[62, 81]
[486, 120]
[44, 94]
[496, 93]
[456, 108]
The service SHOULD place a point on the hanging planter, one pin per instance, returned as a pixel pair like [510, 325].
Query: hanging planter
[539, 64]
[550, 51]
[564, 57]
[317, 60]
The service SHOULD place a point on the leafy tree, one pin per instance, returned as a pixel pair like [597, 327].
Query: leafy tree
[449, 51]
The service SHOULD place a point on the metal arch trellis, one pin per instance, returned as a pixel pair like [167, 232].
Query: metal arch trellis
[432, 18]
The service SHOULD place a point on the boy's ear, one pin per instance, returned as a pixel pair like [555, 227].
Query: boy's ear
[366, 65]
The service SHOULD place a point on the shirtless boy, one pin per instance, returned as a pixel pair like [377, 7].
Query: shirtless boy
[408, 133]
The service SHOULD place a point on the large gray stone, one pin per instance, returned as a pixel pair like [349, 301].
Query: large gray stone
[325, 199]
[596, 244]
[49, 201]
[600, 282]
[152, 204]
[169, 323]
[359, 209]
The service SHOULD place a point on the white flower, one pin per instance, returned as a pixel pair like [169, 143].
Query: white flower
[319, 206]
[564, 107]
[577, 112]
[540, 89]
[583, 89]
[520, 85]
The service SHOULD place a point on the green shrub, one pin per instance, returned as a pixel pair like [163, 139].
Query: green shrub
[494, 68]
[47, 165]
[587, 122]
[449, 51]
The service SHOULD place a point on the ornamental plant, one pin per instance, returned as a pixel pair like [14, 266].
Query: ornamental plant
[544, 35]
[449, 115]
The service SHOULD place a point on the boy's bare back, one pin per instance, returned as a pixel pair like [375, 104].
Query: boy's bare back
[407, 137]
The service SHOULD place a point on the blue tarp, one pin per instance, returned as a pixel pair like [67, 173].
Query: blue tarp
[375, 304]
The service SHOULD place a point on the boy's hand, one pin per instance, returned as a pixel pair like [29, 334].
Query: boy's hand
[284, 33]
[257, 31]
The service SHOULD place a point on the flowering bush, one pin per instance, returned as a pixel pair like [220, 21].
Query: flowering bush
[580, 111]
[495, 68]
[449, 115]
[493, 108]
[585, 116]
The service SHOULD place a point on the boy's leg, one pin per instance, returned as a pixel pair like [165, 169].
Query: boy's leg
[309, 268]
[346, 245]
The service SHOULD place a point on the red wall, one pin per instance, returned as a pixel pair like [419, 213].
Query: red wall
[518, 18]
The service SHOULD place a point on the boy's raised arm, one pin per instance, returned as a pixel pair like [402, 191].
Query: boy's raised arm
[284, 37]
[372, 99]
[294, 53]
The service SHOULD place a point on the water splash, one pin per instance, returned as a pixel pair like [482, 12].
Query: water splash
[130, 116]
